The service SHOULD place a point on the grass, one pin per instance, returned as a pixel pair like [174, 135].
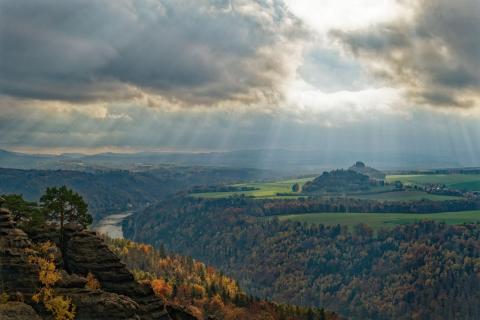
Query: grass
[405, 196]
[378, 220]
[269, 190]
[470, 186]
[265, 190]
[470, 182]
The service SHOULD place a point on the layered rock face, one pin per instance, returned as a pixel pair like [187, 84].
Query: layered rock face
[120, 296]
[85, 252]
[17, 311]
[372, 173]
[16, 274]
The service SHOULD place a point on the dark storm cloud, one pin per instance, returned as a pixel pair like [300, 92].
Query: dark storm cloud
[198, 52]
[435, 57]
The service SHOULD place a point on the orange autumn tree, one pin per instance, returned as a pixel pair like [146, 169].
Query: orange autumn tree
[161, 288]
[92, 282]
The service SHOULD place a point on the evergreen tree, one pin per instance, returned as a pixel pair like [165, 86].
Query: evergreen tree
[296, 187]
[63, 205]
[25, 213]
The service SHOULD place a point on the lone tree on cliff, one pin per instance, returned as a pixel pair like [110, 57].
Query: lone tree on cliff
[63, 205]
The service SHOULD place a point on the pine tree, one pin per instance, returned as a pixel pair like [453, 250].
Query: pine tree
[63, 205]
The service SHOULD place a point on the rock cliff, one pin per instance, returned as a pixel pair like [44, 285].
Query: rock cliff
[17, 311]
[16, 274]
[372, 173]
[120, 296]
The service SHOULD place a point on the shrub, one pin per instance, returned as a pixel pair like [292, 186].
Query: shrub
[61, 307]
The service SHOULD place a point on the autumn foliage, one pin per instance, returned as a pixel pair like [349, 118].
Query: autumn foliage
[43, 257]
[423, 270]
[92, 282]
[207, 292]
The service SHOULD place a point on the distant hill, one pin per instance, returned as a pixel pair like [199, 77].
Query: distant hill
[372, 173]
[281, 160]
[338, 181]
[117, 190]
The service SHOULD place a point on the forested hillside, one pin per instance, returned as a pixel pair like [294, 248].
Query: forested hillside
[420, 271]
[203, 290]
[65, 271]
[116, 190]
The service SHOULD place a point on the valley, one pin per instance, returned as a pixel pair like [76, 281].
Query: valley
[334, 237]
[240, 160]
[314, 240]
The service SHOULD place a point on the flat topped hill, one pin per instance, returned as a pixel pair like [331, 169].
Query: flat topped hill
[338, 181]
[372, 173]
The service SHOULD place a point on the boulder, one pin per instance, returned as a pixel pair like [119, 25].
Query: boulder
[100, 305]
[17, 311]
[71, 280]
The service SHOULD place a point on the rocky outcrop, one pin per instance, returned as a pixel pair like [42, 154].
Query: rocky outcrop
[120, 296]
[85, 252]
[17, 311]
[16, 274]
[101, 305]
[372, 173]
[96, 304]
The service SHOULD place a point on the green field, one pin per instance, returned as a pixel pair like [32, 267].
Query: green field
[269, 190]
[377, 220]
[470, 182]
[404, 196]
[266, 189]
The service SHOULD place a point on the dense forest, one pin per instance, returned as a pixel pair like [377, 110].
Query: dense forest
[115, 190]
[203, 290]
[332, 204]
[420, 271]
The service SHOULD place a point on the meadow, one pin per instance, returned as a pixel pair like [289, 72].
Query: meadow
[383, 220]
[270, 190]
[404, 196]
[470, 182]
[265, 189]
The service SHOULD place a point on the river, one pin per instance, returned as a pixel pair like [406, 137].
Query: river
[112, 225]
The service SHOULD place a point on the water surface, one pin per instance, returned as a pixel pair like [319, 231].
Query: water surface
[112, 225]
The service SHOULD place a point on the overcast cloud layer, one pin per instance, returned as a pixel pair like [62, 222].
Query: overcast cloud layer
[197, 52]
[223, 75]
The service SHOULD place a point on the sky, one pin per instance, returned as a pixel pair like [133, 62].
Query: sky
[203, 75]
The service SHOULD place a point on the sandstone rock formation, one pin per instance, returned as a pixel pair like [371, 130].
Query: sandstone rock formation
[120, 296]
[372, 173]
[16, 275]
[17, 311]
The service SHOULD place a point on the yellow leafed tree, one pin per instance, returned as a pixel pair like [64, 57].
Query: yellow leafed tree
[61, 307]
